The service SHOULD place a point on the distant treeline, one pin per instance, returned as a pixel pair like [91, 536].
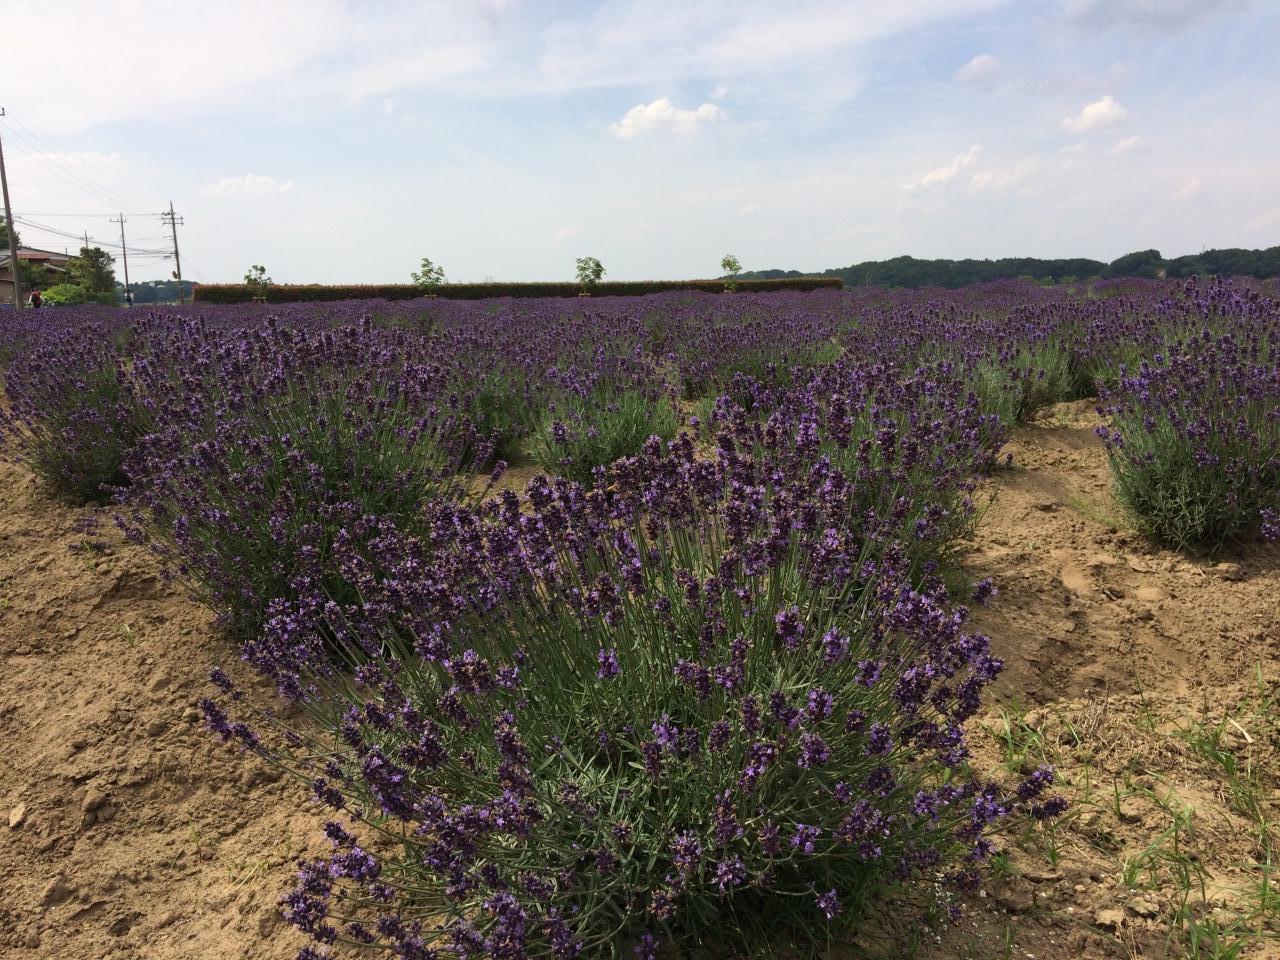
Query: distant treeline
[910, 272]
[155, 291]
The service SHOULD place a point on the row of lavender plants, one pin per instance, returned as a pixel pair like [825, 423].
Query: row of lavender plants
[705, 672]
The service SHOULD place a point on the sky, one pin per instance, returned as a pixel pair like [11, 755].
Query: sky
[337, 141]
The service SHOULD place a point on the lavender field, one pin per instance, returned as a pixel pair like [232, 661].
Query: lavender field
[662, 626]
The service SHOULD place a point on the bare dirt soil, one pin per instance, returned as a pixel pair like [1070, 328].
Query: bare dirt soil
[1150, 679]
[128, 831]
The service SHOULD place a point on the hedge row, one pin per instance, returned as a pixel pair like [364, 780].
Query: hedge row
[291, 293]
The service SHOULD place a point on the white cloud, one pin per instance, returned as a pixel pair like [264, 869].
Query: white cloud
[251, 183]
[388, 105]
[1100, 113]
[649, 41]
[980, 69]
[720, 92]
[309, 53]
[662, 114]
[1164, 15]
[750, 208]
[1006, 176]
[944, 175]
[1124, 145]
[297, 50]
[1188, 190]
[60, 180]
[76, 163]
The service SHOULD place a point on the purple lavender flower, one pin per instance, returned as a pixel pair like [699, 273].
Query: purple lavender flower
[829, 904]
[608, 664]
[814, 751]
[790, 628]
[729, 874]
[805, 838]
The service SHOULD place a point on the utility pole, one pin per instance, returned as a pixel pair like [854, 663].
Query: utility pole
[124, 252]
[173, 220]
[12, 231]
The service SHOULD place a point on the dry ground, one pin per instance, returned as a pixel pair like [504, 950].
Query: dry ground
[129, 831]
[1151, 681]
[1148, 678]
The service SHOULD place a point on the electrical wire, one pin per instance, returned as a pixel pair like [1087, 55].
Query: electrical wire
[61, 153]
[56, 166]
[94, 216]
[194, 270]
[79, 237]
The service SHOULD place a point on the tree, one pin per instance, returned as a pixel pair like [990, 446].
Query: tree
[4, 236]
[256, 279]
[730, 265]
[431, 275]
[590, 270]
[35, 276]
[66, 295]
[1141, 263]
[92, 270]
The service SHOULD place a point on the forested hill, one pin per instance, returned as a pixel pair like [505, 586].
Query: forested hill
[910, 272]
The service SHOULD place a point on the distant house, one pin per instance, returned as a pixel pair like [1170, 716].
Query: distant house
[51, 260]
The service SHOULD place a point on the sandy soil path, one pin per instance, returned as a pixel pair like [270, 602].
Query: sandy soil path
[129, 831]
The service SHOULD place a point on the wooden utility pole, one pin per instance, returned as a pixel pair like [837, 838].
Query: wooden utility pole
[12, 230]
[173, 220]
[124, 252]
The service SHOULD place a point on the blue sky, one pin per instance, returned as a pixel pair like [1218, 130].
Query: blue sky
[342, 140]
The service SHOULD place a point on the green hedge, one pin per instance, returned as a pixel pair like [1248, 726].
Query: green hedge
[289, 293]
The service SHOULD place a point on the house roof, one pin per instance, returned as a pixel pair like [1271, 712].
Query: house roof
[36, 255]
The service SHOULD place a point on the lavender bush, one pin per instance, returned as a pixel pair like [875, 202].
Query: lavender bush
[600, 412]
[696, 706]
[73, 413]
[1194, 441]
[1023, 379]
[272, 442]
[582, 436]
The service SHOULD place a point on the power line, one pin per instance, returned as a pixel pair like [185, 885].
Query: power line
[92, 216]
[195, 269]
[59, 168]
[43, 141]
[61, 152]
[68, 235]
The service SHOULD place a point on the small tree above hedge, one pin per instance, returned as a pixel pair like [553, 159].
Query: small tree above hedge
[430, 275]
[590, 271]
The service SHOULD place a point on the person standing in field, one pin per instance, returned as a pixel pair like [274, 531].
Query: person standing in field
[37, 301]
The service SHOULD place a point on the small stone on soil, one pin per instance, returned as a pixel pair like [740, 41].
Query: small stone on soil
[1228, 571]
[1111, 918]
[94, 797]
[57, 891]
